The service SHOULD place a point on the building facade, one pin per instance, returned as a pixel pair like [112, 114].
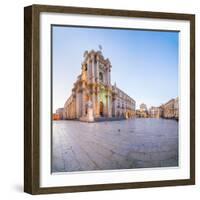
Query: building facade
[171, 109]
[168, 110]
[155, 112]
[93, 96]
[176, 108]
[59, 112]
[142, 112]
[58, 115]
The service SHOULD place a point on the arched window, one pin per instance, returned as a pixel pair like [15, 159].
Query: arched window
[101, 76]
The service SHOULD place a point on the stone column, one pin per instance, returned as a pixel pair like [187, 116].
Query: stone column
[106, 107]
[80, 103]
[109, 106]
[93, 70]
[98, 89]
[106, 77]
[77, 104]
[94, 101]
[109, 75]
[74, 104]
[88, 70]
[72, 109]
[97, 70]
[98, 102]
[83, 101]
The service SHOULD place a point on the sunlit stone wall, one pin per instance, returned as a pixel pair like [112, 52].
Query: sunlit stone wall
[93, 86]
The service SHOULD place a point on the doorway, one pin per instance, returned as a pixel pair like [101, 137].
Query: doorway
[101, 109]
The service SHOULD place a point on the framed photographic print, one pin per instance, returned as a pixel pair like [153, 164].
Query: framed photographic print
[109, 99]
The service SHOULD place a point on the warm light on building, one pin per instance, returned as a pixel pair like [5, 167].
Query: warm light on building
[93, 90]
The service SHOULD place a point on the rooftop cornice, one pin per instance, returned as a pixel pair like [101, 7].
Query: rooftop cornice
[98, 54]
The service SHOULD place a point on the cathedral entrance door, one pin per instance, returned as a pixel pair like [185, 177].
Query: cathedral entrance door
[101, 109]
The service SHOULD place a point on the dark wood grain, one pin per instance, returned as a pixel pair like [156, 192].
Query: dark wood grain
[28, 163]
[192, 99]
[31, 100]
[32, 91]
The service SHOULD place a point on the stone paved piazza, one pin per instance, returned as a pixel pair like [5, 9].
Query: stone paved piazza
[126, 144]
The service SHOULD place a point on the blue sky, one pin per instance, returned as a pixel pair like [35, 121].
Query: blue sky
[144, 63]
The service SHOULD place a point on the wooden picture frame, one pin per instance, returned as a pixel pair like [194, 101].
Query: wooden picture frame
[32, 97]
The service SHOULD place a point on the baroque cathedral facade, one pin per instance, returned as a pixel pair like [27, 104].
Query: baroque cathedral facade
[93, 97]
